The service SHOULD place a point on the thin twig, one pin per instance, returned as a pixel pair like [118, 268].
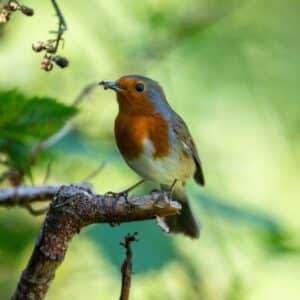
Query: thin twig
[62, 25]
[84, 92]
[56, 137]
[35, 211]
[72, 209]
[48, 172]
[126, 268]
[95, 172]
[63, 131]
[25, 195]
[51, 45]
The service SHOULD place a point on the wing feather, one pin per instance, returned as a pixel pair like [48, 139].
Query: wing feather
[181, 130]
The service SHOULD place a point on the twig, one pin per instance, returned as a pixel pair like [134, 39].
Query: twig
[48, 172]
[44, 144]
[24, 195]
[126, 268]
[54, 138]
[34, 211]
[62, 132]
[51, 46]
[27, 195]
[62, 25]
[72, 209]
[95, 172]
[84, 92]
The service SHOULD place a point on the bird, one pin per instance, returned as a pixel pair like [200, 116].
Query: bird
[156, 143]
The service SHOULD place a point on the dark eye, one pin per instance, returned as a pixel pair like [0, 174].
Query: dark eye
[139, 87]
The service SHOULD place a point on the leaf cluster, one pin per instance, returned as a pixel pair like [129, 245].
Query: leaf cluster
[26, 121]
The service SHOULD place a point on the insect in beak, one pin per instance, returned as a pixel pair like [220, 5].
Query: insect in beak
[111, 85]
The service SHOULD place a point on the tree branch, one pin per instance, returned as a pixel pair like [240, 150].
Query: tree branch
[62, 25]
[126, 268]
[73, 208]
[23, 195]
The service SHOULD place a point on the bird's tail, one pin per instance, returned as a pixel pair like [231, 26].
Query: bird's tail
[186, 222]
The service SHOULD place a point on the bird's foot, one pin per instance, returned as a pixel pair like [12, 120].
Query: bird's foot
[124, 193]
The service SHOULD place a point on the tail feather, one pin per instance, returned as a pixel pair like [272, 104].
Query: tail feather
[186, 222]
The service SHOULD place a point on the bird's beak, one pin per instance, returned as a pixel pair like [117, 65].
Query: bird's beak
[113, 85]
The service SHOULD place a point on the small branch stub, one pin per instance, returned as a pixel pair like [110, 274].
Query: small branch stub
[126, 268]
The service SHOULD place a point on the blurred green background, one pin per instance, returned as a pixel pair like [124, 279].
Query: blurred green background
[231, 69]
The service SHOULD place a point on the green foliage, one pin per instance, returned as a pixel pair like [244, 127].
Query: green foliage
[270, 232]
[18, 154]
[231, 69]
[25, 120]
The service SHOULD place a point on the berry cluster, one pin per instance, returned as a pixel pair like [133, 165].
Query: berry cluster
[51, 46]
[49, 57]
[11, 7]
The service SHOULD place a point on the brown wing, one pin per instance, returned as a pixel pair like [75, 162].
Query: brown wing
[189, 146]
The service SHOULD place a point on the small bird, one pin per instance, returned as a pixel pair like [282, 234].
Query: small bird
[156, 143]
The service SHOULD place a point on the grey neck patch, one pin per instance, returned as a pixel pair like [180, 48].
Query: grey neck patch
[159, 100]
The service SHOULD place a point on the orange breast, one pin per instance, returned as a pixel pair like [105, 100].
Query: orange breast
[132, 130]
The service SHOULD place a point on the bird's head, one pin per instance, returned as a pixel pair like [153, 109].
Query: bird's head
[138, 94]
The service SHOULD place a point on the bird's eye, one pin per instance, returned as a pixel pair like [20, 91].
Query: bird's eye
[139, 87]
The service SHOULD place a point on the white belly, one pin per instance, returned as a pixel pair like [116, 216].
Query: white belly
[177, 165]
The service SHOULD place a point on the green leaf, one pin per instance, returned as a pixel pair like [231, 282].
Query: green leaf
[280, 242]
[24, 118]
[18, 154]
[12, 105]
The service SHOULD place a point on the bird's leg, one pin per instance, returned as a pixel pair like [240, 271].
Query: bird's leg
[171, 189]
[124, 193]
[133, 187]
[167, 190]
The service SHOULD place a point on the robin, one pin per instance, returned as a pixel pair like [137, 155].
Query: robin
[156, 143]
